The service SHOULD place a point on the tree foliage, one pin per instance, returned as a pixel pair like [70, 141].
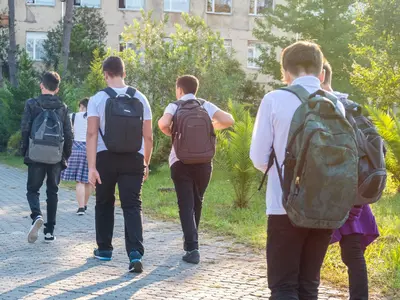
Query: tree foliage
[88, 33]
[233, 154]
[326, 22]
[376, 50]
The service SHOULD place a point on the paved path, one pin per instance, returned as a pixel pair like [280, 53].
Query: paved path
[66, 270]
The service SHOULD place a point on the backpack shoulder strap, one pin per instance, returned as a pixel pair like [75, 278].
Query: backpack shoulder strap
[110, 92]
[131, 92]
[298, 91]
[73, 118]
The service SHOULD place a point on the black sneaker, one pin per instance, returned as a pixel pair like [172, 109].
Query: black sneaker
[135, 265]
[49, 235]
[80, 211]
[85, 208]
[34, 231]
[104, 255]
[192, 257]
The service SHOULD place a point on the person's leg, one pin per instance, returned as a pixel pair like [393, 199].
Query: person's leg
[105, 200]
[130, 181]
[185, 194]
[284, 246]
[80, 194]
[53, 180]
[353, 258]
[313, 255]
[202, 175]
[36, 175]
[88, 192]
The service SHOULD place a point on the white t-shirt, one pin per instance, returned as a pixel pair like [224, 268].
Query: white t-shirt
[97, 105]
[80, 126]
[171, 109]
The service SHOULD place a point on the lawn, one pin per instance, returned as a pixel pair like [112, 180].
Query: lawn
[249, 226]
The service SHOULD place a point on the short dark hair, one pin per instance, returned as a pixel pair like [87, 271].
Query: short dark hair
[84, 102]
[114, 66]
[188, 83]
[328, 73]
[301, 57]
[51, 81]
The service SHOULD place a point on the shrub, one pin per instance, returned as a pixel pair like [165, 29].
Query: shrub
[14, 143]
[233, 154]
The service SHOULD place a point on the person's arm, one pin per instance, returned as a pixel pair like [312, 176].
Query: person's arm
[222, 120]
[68, 135]
[91, 149]
[26, 124]
[165, 124]
[148, 144]
[263, 136]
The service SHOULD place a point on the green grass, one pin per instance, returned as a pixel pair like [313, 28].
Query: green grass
[249, 226]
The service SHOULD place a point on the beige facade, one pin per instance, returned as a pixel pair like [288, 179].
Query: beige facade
[234, 19]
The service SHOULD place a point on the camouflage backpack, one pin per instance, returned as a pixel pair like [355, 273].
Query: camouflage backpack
[321, 163]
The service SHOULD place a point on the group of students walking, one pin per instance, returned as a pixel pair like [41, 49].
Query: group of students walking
[303, 139]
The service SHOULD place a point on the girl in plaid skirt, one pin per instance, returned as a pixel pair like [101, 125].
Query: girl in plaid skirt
[77, 164]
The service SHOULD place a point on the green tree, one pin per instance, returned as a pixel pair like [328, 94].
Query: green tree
[327, 22]
[88, 33]
[376, 51]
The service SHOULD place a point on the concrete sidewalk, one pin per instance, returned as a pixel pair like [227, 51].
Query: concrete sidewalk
[66, 269]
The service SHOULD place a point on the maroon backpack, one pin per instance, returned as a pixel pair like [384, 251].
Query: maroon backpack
[193, 136]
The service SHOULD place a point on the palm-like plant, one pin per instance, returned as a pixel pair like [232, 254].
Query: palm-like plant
[388, 127]
[233, 153]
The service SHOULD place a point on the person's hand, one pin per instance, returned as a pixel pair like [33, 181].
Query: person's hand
[146, 172]
[94, 177]
[355, 213]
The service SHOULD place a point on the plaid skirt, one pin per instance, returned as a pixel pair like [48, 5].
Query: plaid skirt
[77, 164]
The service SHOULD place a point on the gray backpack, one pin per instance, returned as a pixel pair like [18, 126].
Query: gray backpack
[319, 176]
[46, 142]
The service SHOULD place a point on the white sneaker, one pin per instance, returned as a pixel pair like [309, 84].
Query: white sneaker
[34, 231]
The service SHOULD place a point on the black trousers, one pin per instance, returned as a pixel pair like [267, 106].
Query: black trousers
[294, 259]
[190, 182]
[353, 257]
[36, 175]
[126, 170]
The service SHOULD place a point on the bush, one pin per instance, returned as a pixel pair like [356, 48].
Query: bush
[233, 154]
[14, 143]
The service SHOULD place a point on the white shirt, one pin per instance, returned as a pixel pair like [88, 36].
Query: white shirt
[97, 105]
[271, 128]
[80, 126]
[171, 109]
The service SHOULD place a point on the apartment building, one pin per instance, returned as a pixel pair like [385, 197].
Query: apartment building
[234, 19]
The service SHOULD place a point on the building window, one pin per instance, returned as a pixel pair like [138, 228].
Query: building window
[42, 2]
[219, 6]
[176, 5]
[87, 3]
[34, 45]
[253, 53]
[228, 46]
[123, 45]
[131, 4]
[257, 6]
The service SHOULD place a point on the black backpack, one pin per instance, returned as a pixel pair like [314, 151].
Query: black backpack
[372, 168]
[46, 141]
[123, 122]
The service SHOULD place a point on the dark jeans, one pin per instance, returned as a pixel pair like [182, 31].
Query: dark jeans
[36, 174]
[190, 182]
[126, 170]
[353, 258]
[294, 259]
